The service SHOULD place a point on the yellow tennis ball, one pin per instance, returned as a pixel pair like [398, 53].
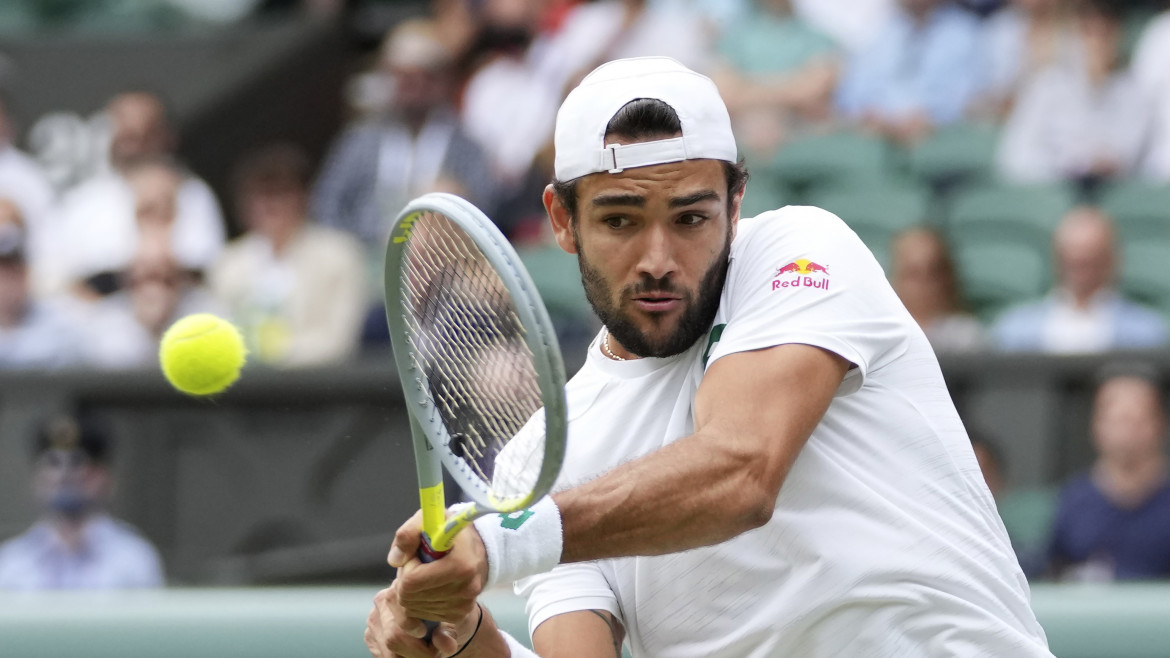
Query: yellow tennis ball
[202, 354]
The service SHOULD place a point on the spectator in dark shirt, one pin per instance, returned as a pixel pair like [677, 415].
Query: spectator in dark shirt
[1113, 523]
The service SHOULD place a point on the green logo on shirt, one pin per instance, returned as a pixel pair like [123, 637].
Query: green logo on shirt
[514, 520]
[712, 339]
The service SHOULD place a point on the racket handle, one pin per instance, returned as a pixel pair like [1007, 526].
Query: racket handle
[426, 555]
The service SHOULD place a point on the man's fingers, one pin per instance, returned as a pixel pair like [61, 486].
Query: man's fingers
[444, 639]
[406, 541]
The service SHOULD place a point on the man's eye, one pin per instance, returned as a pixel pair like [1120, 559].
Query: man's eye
[691, 219]
[617, 221]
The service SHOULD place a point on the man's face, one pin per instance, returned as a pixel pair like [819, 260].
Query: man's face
[140, 129]
[69, 483]
[653, 245]
[1127, 420]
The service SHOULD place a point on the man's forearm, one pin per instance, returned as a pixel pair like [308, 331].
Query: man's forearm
[683, 496]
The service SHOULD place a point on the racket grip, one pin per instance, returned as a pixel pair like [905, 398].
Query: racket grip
[426, 555]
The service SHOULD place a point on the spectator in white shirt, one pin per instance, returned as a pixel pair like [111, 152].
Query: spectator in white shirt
[33, 333]
[24, 182]
[96, 227]
[1086, 123]
[76, 544]
[1151, 69]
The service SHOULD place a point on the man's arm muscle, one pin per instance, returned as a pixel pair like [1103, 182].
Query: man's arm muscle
[754, 411]
[582, 634]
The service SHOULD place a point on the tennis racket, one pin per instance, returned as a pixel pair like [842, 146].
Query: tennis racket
[479, 363]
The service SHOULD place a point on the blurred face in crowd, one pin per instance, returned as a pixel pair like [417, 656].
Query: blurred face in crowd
[918, 8]
[69, 483]
[922, 278]
[1101, 35]
[653, 244]
[1128, 420]
[155, 284]
[1084, 252]
[156, 191]
[140, 129]
[418, 66]
[275, 211]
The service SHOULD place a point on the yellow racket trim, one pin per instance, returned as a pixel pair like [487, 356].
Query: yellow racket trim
[434, 510]
[443, 539]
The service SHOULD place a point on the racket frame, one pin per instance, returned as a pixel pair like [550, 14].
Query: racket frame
[430, 436]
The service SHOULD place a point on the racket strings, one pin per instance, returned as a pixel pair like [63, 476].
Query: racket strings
[467, 344]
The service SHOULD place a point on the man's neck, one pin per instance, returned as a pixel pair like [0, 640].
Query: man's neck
[71, 531]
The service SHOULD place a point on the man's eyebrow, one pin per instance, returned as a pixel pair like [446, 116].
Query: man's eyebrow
[619, 200]
[692, 199]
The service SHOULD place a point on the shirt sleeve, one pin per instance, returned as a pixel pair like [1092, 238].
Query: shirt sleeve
[800, 275]
[567, 588]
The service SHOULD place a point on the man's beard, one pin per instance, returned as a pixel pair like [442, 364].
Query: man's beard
[695, 320]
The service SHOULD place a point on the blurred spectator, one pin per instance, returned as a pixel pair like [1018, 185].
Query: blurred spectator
[296, 289]
[597, 32]
[924, 278]
[24, 182]
[920, 72]
[96, 231]
[1027, 37]
[776, 74]
[514, 88]
[1152, 73]
[1113, 523]
[76, 544]
[1083, 312]
[852, 23]
[124, 329]
[1086, 123]
[415, 145]
[33, 333]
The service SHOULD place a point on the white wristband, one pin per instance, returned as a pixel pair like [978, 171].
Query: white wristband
[517, 650]
[521, 544]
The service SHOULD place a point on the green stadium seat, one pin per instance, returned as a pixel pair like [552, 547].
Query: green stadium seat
[1140, 210]
[764, 192]
[1027, 514]
[962, 152]
[558, 280]
[1009, 213]
[815, 160]
[1145, 272]
[875, 211]
[994, 275]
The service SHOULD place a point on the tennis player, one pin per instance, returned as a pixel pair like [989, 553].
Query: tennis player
[763, 459]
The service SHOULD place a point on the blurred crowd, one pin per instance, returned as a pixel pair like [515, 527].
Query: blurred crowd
[1065, 97]
[463, 100]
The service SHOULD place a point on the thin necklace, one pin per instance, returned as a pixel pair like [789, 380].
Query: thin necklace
[608, 351]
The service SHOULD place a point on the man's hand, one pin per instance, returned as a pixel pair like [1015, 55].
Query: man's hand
[443, 590]
[385, 637]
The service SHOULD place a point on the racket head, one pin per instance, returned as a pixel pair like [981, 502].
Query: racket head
[480, 366]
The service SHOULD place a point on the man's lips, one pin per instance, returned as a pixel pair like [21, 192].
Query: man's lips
[657, 303]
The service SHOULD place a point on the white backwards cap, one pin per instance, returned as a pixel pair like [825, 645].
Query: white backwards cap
[580, 132]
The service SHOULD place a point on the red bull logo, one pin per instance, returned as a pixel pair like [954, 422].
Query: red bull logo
[804, 270]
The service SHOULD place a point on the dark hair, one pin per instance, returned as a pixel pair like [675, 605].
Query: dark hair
[278, 167]
[642, 119]
[74, 432]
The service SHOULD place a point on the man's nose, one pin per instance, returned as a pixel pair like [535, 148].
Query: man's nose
[658, 254]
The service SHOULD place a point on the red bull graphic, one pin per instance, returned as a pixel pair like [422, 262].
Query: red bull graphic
[808, 275]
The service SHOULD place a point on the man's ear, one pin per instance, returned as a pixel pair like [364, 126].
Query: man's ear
[561, 220]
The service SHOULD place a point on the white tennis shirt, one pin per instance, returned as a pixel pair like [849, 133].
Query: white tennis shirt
[884, 541]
